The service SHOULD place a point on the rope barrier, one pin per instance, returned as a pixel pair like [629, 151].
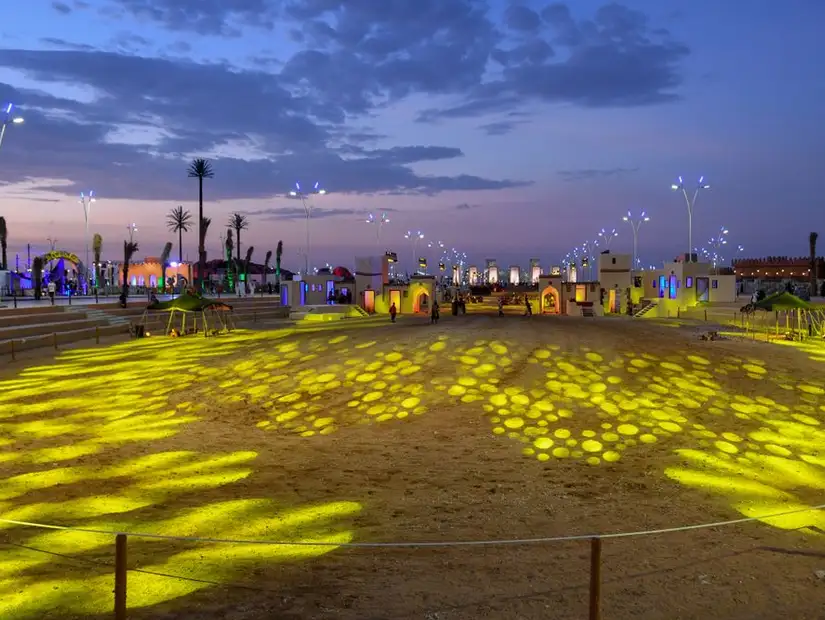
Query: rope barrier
[424, 544]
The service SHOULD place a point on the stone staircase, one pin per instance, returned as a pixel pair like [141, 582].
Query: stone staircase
[646, 306]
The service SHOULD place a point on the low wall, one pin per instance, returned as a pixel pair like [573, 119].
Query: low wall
[11, 347]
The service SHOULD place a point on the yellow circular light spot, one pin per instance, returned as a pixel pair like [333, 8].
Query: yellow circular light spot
[457, 390]
[513, 422]
[498, 349]
[591, 445]
[610, 437]
[778, 450]
[805, 419]
[365, 377]
[484, 369]
[731, 437]
[438, 346]
[368, 398]
[561, 453]
[394, 357]
[627, 429]
[726, 447]
[543, 456]
[498, 430]
[520, 399]
[469, 360]
[467, 381]
[754, 369]
[543, 443]
[376, 409]
[562, 433]
[593, 460]
[588, 433]
[542, 354]
[671, 427]
[410, 402]
[611, 457]
[597, 388]
[498, 400]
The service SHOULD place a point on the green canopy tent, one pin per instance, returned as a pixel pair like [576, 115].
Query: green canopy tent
[216, 316]
[795, 310]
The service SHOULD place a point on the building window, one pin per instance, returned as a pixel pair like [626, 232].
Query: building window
[689, 281]
[614, 261]
[581, 293]
[654, 284]
[714, 283]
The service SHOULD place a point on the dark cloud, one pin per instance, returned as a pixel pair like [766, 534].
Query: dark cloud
[499, 128]
[62, 7]
[298, 213]
[309, 114]
[68, 45]
[587, 174]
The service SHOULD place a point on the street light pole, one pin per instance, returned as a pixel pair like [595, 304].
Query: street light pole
[379, 224]
[589, 248]
[716, 244]
[635, 224]
[415, 237]
[608, 236]
[306, 201]
[86, 200]
[132, 229]
[691, 205]
[9, 119]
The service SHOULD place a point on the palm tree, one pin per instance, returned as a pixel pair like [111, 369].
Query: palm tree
[246, 262]
[97, 247]
[178, 221]
[266, 266]
[129, 249]
[164, 260]
[37, 275]
[812, 239]
[229, 244]
[279, 250]
[201, 169]
[238, 222]
[205, 222]
[4, 239]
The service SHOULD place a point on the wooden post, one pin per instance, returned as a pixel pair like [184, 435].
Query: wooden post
[706, 314]
[11, 342]
[54, 336]
[120, 577]
[97, 334]
[595, 578]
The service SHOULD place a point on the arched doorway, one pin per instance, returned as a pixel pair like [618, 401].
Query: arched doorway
[421, 300]
[549, 300]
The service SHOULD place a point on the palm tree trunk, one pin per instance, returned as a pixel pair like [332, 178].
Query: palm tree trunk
[201, 261]
[238, 242]
[180, 245]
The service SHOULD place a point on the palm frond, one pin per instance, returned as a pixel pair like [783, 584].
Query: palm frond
[238, 221]
[200, 169]
[178, 219]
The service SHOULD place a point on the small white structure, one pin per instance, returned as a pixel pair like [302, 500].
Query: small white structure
[535, 271]
[472, 275]
[680, 285]
[492, 271]
[515, 275]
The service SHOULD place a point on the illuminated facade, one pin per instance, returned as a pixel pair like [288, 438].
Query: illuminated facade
[515, 274]
[149, 272]
[535, 271]
[472, 275]
[778, 267]
[492, 271]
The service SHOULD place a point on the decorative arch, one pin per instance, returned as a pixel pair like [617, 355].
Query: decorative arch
[417, 295]
[58, 254]
[550, 301]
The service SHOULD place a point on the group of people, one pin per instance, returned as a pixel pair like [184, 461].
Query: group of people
[459, 305]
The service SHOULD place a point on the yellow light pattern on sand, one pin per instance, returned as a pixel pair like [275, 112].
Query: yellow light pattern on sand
[762, 445]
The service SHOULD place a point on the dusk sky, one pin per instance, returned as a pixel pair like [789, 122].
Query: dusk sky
[507, 130]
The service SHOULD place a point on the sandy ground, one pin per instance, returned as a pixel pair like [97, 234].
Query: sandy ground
[477, 428]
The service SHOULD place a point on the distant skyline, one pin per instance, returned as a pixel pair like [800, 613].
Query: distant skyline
[507, 130]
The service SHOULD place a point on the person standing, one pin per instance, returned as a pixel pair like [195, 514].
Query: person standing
[500, 306]
[434, 313]
[393, 312]
[52, 289]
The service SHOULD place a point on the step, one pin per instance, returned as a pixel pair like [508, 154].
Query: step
[63, 338]
[29, 331]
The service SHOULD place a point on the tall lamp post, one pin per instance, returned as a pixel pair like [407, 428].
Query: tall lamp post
[589, 248]
[131, 229]
[691, 205]
[86, 200]
[607, 236]
[414, 237]
[379, 223]
[716, 244]
[9, 118]
[306, 201]
[635, 224]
